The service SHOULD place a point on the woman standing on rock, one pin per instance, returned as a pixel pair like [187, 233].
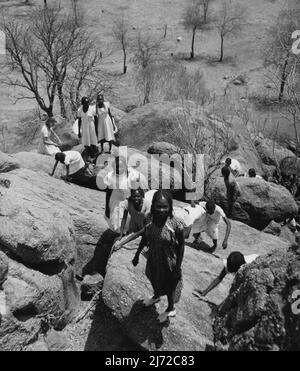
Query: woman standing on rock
[86, 116]
[106, 126]
[163, 234]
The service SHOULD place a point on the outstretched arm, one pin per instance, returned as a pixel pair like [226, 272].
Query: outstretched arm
[180, 254]
[125, 215]
[214, 283]
[228, 229]
[142, 244]
[131, 237]
[79, 127]
[55, 166]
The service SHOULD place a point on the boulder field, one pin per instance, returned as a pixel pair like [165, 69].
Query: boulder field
[125, 287]
[49, 232]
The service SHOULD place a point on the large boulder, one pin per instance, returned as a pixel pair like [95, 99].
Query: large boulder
[282, 231]
[125, 287]
[32, 227]
[260, 201]
[32, 301]
[155, 122]
[45, 221]
[272, 153]
[260, 312]
[160, 148]
[290, 166]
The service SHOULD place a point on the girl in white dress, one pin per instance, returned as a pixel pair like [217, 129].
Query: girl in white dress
[106, 127]
[47, 145]
[87, 126]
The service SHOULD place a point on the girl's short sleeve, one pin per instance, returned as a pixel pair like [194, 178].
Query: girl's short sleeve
[45, 133]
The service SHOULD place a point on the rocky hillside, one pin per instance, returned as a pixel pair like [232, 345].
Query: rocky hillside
[50, 231]
[154, 122]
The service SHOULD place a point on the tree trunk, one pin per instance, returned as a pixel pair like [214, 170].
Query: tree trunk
[124, 61]
[283, 78]
[193, 43]
[205, 11]
[147, 94]
[63, 110]
[49, 110]
[165, 30]
[222, 49]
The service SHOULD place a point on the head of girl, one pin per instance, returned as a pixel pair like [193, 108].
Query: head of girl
[162, 206]
[85, 103]
[51, 122]
[137, 197]
[234, 261]
[100, 100]
[120, 165]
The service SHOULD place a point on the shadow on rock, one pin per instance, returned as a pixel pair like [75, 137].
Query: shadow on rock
[101, 255]
[105, 333]
[143, 323]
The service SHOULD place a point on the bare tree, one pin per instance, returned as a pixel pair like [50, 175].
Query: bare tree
[121, 33]
[291, 110]
[147, 49]
[85, 78]
[195, 132]
[205, 6]
[181, 84]
[231, 19]
[278, 52]
[147, 58]
[42, 49]
[193, 19]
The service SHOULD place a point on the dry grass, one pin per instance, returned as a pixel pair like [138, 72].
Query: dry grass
[242, 54]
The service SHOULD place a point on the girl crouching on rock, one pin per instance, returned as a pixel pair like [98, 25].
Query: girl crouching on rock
[163, 234]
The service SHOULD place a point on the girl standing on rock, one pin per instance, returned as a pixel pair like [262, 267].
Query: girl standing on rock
[86, 116]
[163, 234]
[106, 126]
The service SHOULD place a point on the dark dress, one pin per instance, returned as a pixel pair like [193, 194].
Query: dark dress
[162, 256]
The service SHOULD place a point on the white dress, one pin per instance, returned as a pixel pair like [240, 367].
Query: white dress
[88, 130]
[47, 149]
[105, 126]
